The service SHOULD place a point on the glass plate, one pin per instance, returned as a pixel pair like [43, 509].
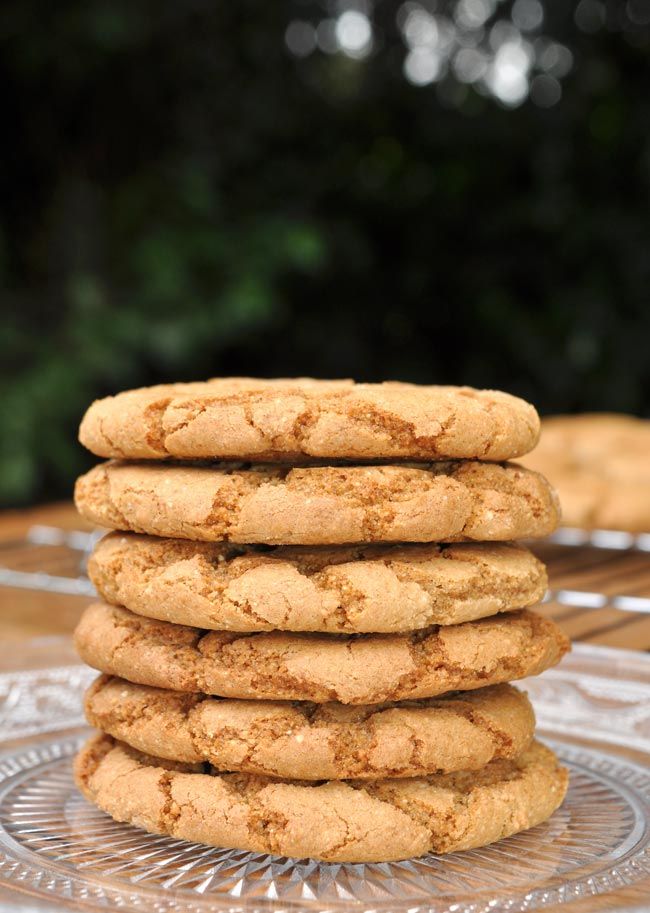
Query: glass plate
[594, 710]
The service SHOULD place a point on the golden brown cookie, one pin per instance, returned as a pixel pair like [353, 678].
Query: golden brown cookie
[247, 418]
[337, 821]
[340, 590]
[352, 669]
[316, 741]
[600, 464]
[320, 505]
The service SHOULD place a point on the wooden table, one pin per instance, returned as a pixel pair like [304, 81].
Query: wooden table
[29, 613]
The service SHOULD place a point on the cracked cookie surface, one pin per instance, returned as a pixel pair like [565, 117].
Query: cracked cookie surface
[342, 590]
[320, 505]
[351, 669]
[316, 741]
[247, 418]
[337, 821]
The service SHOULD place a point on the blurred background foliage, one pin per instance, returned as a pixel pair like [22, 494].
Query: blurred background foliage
[450, 192]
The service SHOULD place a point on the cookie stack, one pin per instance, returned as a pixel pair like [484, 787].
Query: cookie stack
[308, 653]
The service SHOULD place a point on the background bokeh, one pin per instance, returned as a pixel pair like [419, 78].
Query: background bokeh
[440, 192]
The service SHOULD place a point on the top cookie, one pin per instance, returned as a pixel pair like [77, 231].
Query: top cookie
[301, 418]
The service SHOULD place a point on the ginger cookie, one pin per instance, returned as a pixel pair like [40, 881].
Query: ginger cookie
[336, 821]
[290, 420]
[463, 731]
[600, 464]
[320, 505]
[350, 669]
[342, 590]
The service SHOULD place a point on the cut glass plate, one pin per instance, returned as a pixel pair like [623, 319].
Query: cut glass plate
[594, 710]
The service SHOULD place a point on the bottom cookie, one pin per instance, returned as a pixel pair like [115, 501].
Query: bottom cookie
[336, 821]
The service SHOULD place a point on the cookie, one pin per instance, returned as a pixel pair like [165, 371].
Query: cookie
[351, 669]
[601, 467]
[340, 590]
[278, 420]
[336, 821]
[439, 502]
[615, 445]
[316, 741]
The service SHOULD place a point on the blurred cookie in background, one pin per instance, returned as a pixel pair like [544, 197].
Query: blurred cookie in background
[600, 465]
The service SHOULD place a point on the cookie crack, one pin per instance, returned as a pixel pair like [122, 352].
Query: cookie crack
[107, 438]
[165, 430]
[171, 810]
